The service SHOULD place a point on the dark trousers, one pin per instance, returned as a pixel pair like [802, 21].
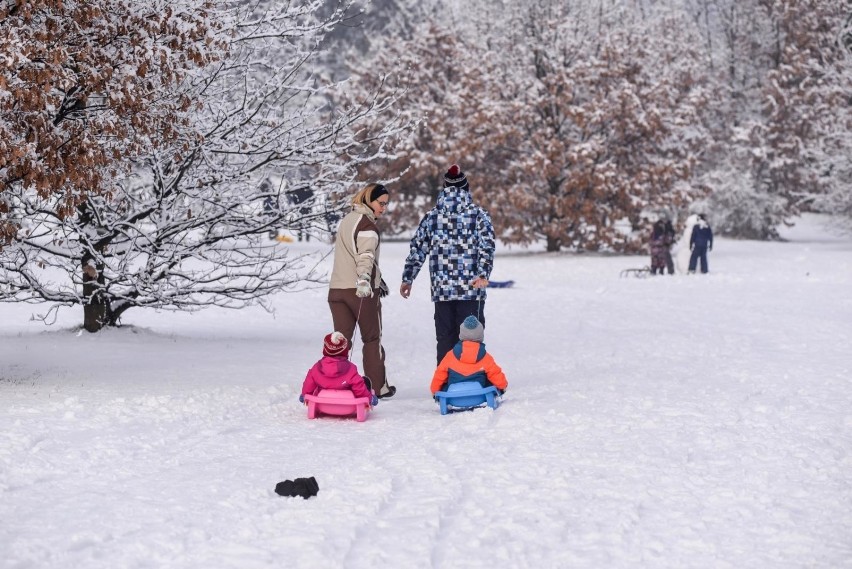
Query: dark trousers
[669, 261]
[698, 254]
[347, 310]
[449, 315]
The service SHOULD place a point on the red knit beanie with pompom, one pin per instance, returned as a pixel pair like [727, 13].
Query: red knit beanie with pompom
[335, 345]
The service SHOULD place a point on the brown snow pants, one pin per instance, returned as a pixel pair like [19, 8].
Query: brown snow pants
[346, 309]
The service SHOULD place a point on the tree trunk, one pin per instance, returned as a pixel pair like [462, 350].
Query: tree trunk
[96, 306]
[553, 244]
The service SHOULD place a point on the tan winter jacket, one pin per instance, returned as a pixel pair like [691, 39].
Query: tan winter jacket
[356, 251]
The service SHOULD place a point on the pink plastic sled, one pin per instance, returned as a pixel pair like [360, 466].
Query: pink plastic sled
[340, 402]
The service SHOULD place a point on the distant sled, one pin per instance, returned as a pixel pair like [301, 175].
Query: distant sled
[467, 395]
[500, 284]
[337, 402]
[641, 273]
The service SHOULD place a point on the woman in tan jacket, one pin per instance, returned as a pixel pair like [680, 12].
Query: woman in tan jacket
[356, 286]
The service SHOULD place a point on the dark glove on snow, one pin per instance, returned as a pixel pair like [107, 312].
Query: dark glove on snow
[304, 487]
[302, 398]
[374, 400]
[383, 289]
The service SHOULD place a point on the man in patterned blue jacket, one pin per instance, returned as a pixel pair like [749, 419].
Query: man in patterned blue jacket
[457, 237]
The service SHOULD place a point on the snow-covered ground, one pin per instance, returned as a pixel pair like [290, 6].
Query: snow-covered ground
[686, 421]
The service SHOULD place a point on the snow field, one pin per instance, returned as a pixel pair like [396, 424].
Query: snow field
[698, 421]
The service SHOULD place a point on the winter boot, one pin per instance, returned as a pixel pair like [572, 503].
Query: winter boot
[387, 391]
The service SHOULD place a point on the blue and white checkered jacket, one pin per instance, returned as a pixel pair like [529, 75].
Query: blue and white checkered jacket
[458, 238]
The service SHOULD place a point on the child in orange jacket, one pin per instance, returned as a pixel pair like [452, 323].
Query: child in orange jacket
[468, 361]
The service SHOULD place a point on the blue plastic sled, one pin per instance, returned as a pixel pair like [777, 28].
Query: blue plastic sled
[500, 284]
[467, 395]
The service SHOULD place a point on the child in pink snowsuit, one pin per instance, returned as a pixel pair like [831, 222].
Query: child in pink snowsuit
[335, 371]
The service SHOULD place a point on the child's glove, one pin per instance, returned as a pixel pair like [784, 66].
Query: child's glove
[302, 398]
[374, 400]
[501, 391]
[362, 287]
[383, 289]
[304, 487]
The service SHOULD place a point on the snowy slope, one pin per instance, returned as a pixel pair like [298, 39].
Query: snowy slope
[701, 421]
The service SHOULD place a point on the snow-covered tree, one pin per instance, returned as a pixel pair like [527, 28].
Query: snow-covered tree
[836, 141]
[189, 227]
[437, 101]
[601, 135]
[612, 96]
[82, 83]
[789, 145]
[837, 199]
[557, 114]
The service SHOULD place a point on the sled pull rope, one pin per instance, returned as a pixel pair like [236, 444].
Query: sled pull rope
[355, 331]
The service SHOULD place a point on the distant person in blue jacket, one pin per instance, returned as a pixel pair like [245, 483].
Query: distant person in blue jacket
[700, 242]
[457, 238]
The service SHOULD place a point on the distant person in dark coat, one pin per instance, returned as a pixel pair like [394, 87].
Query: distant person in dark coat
[700, 243]
[658, 248]
[669, 238]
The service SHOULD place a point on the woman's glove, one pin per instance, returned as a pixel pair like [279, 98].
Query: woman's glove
[362, 287]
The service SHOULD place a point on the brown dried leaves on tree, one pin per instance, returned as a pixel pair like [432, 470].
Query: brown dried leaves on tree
[558, 151]
[84, 88]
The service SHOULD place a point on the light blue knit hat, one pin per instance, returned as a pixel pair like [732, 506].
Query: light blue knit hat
[471, 329]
